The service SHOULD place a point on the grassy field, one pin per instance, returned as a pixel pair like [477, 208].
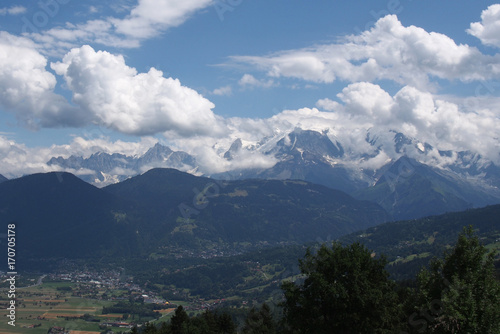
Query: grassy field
[46, 306]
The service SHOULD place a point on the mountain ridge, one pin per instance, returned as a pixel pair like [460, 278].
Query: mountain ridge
[455, 180]
[58, 214]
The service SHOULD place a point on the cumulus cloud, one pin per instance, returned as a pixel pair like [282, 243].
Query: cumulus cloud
[406, 55]
[105, 90]
[367, 100]
[109, 93]
[488, 30]
[27, 88]
[146, 20]
[209, 152]
[420, 115]
[327, 104]
[118, 97]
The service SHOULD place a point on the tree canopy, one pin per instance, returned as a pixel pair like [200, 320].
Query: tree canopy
[345, 290]
[459, 294]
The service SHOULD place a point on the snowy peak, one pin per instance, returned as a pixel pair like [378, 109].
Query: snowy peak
[308, 145]
[102, 169]
[157, 153]
[233, 150]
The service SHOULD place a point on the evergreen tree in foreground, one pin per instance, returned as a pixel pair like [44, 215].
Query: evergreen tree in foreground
[460, 293]
[346, 290]
[179, 321]
[206, 323]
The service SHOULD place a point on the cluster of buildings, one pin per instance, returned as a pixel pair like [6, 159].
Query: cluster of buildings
[93, 282]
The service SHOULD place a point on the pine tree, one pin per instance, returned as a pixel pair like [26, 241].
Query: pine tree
[226, 324]
[179, 321]
[259, 322]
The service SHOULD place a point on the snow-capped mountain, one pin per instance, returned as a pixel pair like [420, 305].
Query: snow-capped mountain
[302, 154]
[407, 177]
[102, 169]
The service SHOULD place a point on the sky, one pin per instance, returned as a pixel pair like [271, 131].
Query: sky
[78, 77]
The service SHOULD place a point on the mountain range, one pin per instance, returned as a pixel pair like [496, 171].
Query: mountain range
[417, 181]
[102, 169]
[169, 214]
[59, 215]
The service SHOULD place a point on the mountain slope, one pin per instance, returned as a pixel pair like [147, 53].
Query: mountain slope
[408, 245]
[159, 187]
[197, 208]
[412, 243]
[59, 215]
[409, 189]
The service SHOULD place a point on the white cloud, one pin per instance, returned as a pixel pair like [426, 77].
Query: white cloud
[488, 30]
[365, 113]
[14, 10]
[27, 88]
[109, 93]
[105, 90]
[406, 55]
[85, 147]
[367, 100]
[327, 104]
[146, 20]
[118, 97]
[151, 17]
[223, 91]
[421, 115]
[17, 160]
[249, 81]
[209, 152]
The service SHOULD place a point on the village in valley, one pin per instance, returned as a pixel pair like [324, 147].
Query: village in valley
[90, 302]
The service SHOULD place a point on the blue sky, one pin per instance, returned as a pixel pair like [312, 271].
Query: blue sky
[83, 76]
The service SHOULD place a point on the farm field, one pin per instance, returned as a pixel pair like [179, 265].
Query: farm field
[39, 308]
